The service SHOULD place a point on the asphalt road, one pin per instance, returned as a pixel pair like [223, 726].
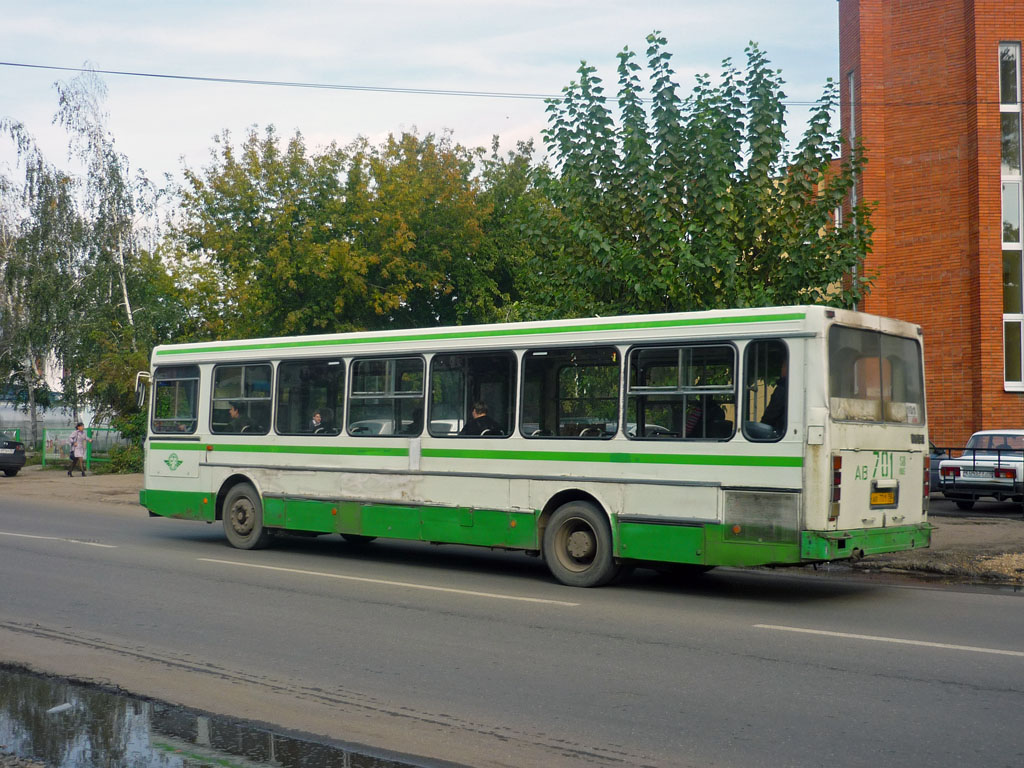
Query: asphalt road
[479, 657]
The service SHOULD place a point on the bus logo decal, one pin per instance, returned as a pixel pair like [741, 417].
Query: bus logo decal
[173, 462]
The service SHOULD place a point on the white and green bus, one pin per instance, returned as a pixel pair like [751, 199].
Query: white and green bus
[737, 437]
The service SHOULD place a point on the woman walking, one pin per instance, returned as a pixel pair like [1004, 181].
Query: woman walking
[77, 442]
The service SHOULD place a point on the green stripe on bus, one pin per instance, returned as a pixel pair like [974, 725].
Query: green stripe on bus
[601, 457]
[626, 325]
[323, 450]
[616, 458]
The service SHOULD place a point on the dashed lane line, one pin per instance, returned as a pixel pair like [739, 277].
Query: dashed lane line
[385, 582]
[59, 538]
[898, 640]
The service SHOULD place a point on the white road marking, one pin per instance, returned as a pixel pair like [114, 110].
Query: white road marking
[899, 640]
[385, 582]
[58, 538]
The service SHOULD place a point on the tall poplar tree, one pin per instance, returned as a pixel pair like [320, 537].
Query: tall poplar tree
[692, 203]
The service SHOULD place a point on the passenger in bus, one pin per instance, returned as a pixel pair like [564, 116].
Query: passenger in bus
[415, 425]
[322, 422]
[480, 423]
[239, 423]
[775, 414]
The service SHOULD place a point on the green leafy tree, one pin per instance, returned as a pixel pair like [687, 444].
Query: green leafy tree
[122, 300]
[40, 249]
[285, 241]
[79, 292]
[679, 204]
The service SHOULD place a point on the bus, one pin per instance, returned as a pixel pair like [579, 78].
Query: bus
[746, 437]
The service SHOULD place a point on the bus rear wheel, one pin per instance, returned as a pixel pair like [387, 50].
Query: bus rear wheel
[578, 546]
[243, 518]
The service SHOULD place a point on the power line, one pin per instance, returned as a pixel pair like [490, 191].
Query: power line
[435, 91]
[326, 86]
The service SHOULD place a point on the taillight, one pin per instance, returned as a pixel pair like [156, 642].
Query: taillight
[837, 483]
[1006, 473]
[950, 471]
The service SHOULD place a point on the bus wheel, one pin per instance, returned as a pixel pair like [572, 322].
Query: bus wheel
[357, 538]
[243, 518]
[965, 505]
[578, 546]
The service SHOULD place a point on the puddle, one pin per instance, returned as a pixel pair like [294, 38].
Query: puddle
[65, 725]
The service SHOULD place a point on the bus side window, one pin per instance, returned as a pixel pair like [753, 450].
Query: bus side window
[461, 382]
[766, 390]
[386, 397]
[241, 399]
[686, 392]
[310, 394]
[175, 399]
[570, 393]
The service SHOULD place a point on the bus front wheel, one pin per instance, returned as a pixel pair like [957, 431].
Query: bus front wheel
[243, 518]
[578, 546]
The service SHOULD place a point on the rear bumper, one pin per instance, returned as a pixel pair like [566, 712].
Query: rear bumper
[981, 489]
[843, 545]
[12, 460]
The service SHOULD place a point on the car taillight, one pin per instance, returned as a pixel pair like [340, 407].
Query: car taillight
[1006, 473]
[950, 471]
[837, 483]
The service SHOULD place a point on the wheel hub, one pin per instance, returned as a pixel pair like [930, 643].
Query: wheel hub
[241, 518]
[580, 545]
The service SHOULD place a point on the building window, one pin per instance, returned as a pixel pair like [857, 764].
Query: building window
[1012, 215]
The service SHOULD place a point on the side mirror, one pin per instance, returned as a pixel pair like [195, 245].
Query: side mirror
[141, 385]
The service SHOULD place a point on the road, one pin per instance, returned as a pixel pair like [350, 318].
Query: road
[478, 657]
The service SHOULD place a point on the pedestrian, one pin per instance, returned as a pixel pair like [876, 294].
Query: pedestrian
[77, 443]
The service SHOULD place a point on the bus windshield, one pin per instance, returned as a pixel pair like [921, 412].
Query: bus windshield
[875, 377]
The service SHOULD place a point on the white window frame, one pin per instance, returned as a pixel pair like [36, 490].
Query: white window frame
[1011, 385]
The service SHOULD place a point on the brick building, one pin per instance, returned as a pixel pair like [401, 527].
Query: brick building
[933, 89]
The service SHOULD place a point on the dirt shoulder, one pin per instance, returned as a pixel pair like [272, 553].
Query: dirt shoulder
[34, 482]
[984, 546]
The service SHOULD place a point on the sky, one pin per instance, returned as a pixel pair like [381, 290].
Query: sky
[508, 46]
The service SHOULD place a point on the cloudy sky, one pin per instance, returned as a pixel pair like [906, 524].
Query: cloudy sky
[506, 46]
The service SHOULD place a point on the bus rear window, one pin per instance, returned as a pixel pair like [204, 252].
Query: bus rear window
[874, 377]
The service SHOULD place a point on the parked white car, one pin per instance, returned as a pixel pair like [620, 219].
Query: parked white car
[992, 466]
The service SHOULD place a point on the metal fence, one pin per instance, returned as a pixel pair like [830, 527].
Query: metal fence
[56, 445]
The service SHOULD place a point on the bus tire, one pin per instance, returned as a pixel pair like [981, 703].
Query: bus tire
[243, 518]
[578, 546]
[965, 505]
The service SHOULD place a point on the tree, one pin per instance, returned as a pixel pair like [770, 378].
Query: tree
[693, 203]
[40, 233]
[122, 303]
[291, 242]
[77, 288]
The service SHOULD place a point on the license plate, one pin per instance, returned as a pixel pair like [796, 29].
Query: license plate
[879, 498]
[976, 473]
[6, 450]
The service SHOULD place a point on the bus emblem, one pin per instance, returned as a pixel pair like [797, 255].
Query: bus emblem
[172, 461]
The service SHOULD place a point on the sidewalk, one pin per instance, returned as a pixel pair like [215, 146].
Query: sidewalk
[987, 548]
[34, 482]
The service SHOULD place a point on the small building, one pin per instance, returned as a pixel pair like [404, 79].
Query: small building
[933, 90]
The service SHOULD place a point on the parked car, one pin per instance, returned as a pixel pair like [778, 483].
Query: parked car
[992, 466]
[12, 455]
[935, 456]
